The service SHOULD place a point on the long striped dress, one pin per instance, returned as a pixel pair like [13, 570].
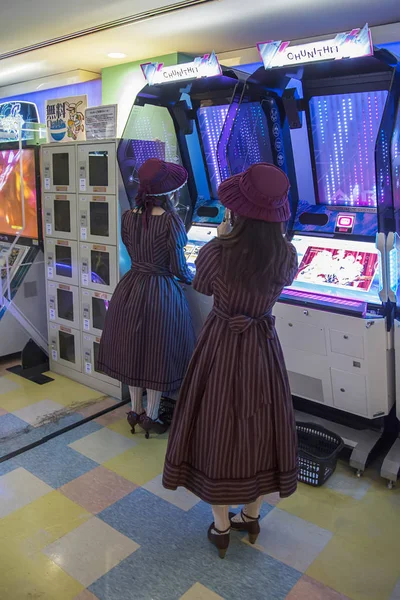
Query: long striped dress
[148, 336]
[233, 437]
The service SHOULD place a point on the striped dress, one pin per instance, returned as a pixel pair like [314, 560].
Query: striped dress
[233, 437]
[148, 336]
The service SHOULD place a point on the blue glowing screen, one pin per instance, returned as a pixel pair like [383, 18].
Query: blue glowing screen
[246, 143]
[344, 131]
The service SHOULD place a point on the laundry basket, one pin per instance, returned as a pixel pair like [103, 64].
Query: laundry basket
[318, 452]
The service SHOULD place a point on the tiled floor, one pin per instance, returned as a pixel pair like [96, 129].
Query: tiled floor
[85, 517]
[29, 412]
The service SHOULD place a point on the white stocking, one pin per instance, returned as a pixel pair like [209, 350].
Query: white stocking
[136, 399]
[252, 511]
[221, 518]
[153, 404]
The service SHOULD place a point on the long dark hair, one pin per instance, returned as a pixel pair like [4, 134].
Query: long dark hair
[255, 254]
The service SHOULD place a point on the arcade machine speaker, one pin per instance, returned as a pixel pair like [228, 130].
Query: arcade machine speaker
[34, 362]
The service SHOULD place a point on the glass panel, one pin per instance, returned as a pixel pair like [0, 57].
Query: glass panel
[211, 121]
[99, 311]
[67, 346]
[100, 262]
[64, 261]
[99, 219]
[344, 131]
[62, 215]
[65, 304]
[150, 133]
[98, 168]
[61, 168]
[96, 348]
[249, 142]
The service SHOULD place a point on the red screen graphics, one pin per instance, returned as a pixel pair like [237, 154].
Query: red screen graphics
[11, 214]
[338, 267]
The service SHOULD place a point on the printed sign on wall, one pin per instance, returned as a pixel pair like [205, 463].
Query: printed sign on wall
[65, 118]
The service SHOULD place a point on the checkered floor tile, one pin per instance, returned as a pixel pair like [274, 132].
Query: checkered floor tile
[85, 517]
[29, 412]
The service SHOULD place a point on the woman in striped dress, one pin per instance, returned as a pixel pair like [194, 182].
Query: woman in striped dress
[233, 438]
[148, 336]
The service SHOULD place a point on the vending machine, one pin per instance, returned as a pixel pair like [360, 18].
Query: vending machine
[83, 199]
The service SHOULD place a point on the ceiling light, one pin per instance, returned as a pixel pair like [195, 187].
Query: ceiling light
[116, 55]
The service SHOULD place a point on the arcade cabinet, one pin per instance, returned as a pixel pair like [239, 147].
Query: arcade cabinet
[22, 311]
[216, 126]
[335, 322]
[391, 464]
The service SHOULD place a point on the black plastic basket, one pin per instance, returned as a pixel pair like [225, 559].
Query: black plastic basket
[167, 407]
[318, 453]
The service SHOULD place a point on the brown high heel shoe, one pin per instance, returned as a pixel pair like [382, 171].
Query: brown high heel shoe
[133, 419]
[252, 526]
[220, 539]
[149, 426]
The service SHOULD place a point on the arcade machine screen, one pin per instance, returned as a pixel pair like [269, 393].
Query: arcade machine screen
[344, 131]
[198, 236]
[11, 218]
[247, 142]
[338, 268]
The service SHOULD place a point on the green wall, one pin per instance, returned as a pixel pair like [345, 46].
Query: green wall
[121, 83]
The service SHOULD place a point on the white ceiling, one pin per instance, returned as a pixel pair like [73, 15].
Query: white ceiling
[222, 25]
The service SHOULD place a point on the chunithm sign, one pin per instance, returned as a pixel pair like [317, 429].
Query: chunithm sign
[354, 44]
[205, 66]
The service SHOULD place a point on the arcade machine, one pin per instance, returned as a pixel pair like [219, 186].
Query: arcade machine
[209, 119]
[335, 321]
[22, 313]
[391, 464]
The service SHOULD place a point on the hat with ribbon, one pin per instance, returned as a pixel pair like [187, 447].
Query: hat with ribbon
[261, 192]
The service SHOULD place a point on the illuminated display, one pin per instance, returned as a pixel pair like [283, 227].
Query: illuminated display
[205, 66]
[11, 217]
[339, 268]
[396, 161]
[344, 130]
[197, 237]
[211, 122]
[247, 143]
[354, 44]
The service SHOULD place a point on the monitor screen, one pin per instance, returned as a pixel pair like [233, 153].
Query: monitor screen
[211, 121]
[62, 216]
[11, 215]
[99, 311]
[344, 131]
[64, 261]
[99, 220]
[98, 168]
[334, 267]
[100, 267]
[198, 236]
[65, 304]
[61, 168]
